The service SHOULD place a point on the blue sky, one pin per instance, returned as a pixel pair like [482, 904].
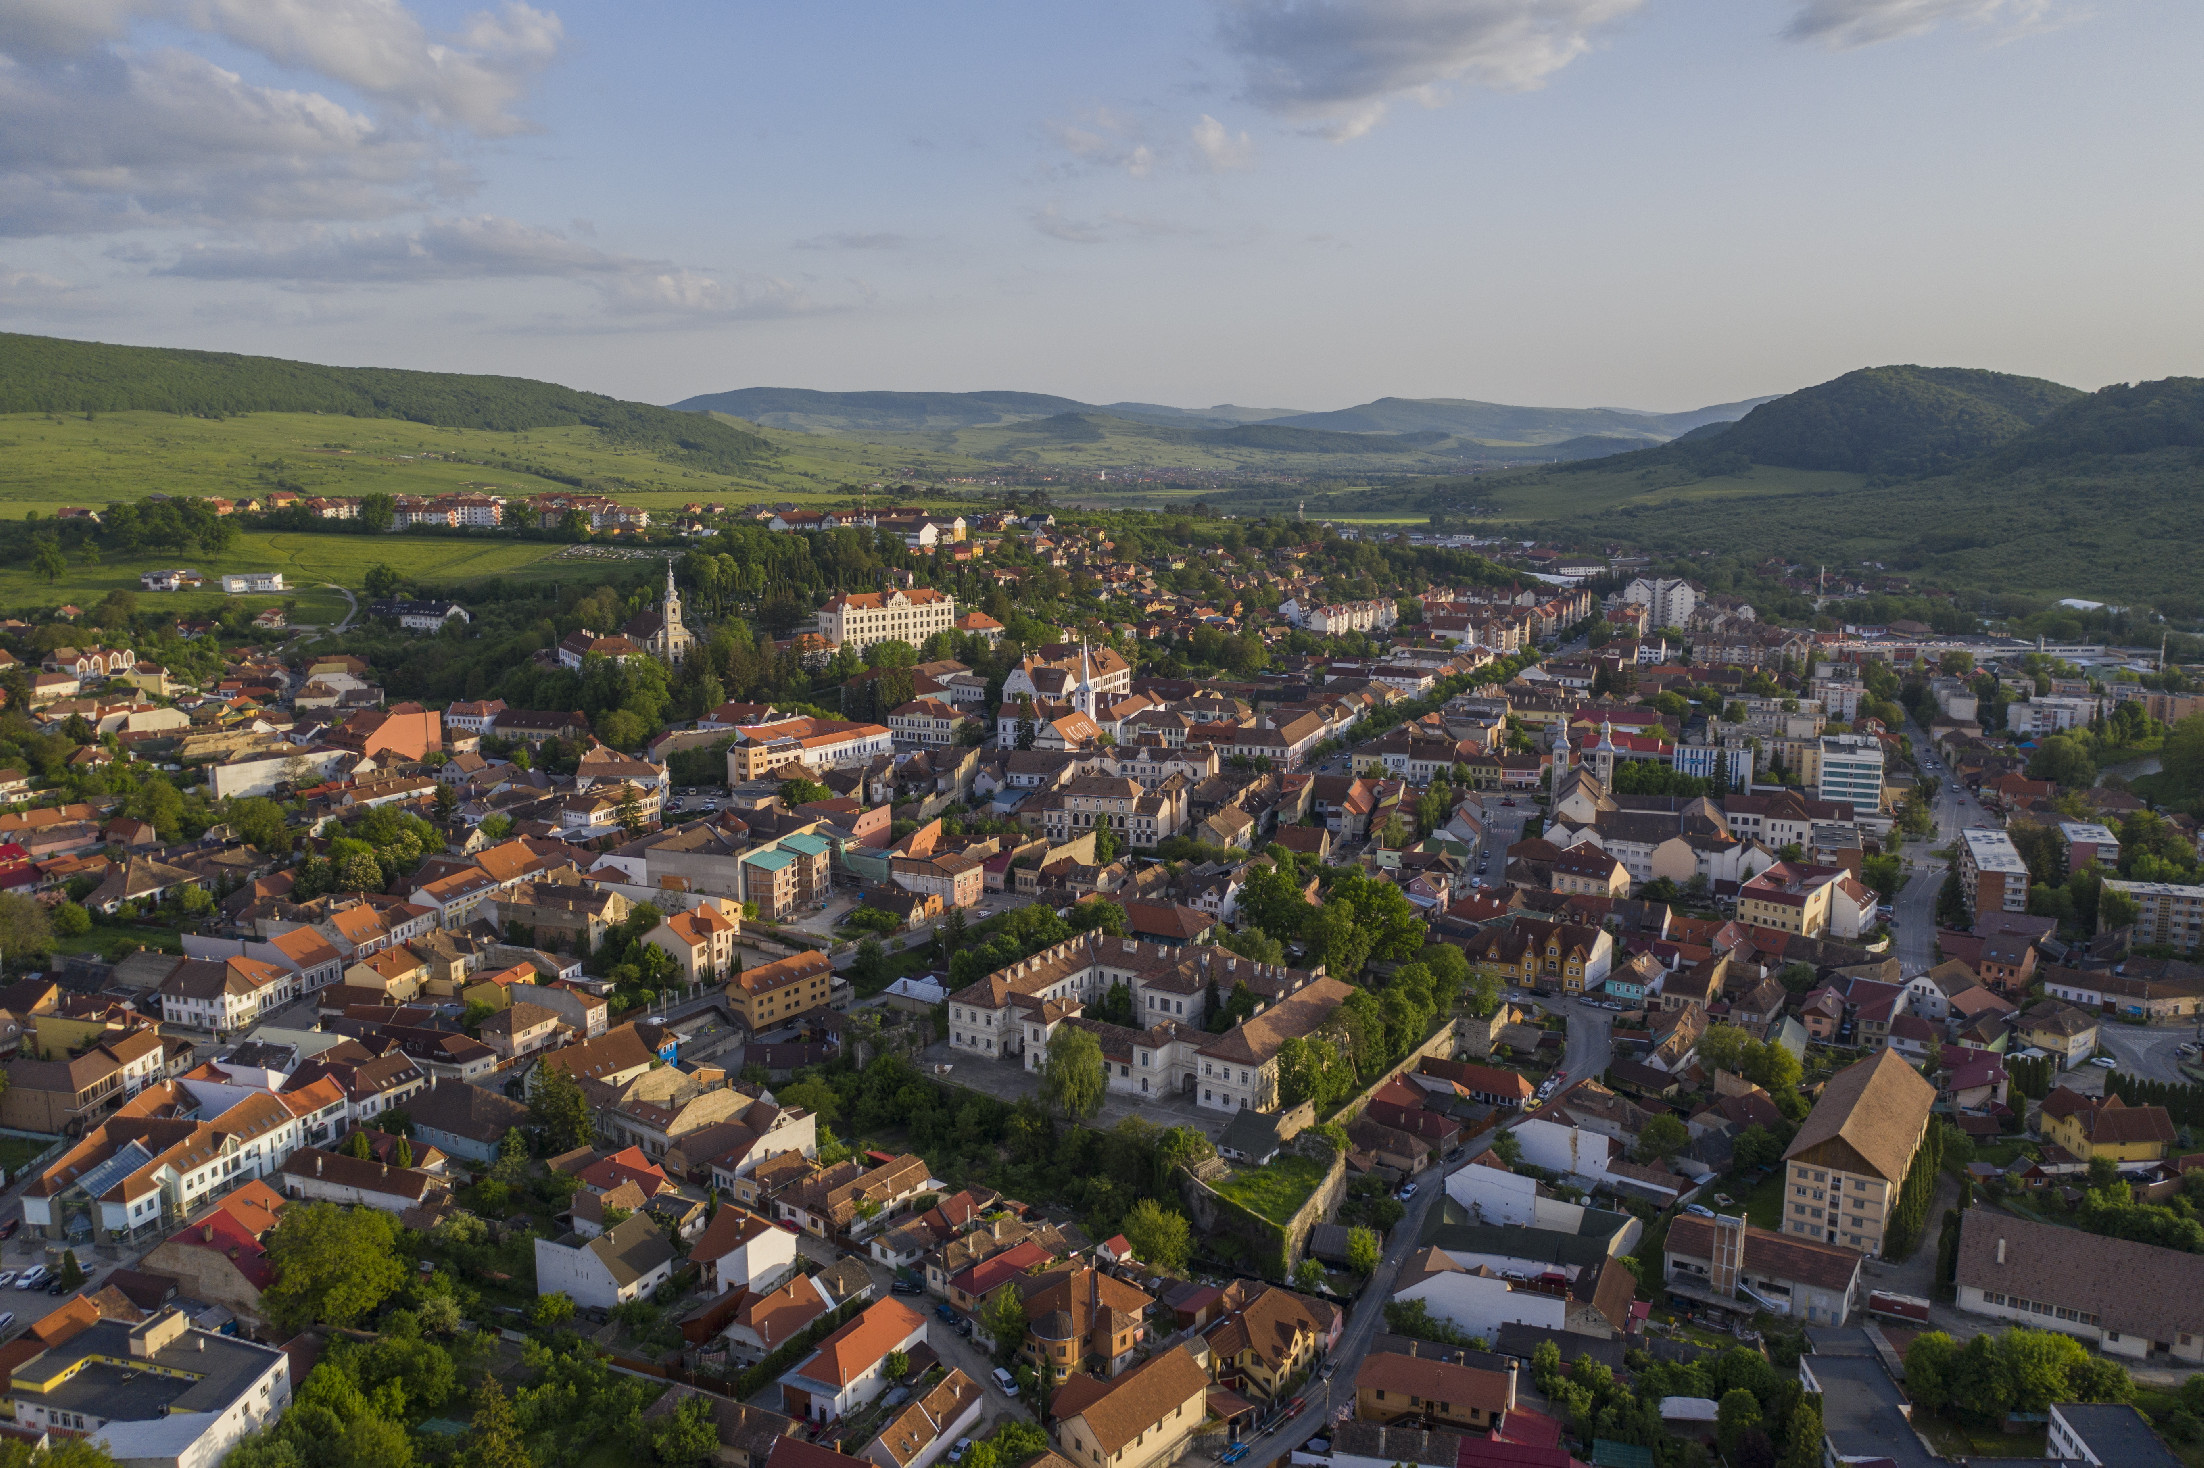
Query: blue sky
[1281, 203]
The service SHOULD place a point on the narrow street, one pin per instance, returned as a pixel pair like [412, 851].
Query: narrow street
[1335, 1383]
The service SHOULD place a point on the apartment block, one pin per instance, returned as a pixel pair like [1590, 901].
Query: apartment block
[1991, 872]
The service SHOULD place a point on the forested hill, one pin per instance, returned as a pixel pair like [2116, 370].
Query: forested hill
[2124, 418]
[1892, 422]
[43, 374]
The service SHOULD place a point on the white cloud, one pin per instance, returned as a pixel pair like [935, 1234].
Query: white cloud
[1220, 150]
[34, 290]
[99, 135]
[1843, 24]
[68, 25]
[468, 81]
[100, 143]
[478, 248]
[487, 247]
[1340, 63]
[1105, 140]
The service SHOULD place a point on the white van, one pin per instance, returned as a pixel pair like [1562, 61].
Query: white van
[1006, 1381]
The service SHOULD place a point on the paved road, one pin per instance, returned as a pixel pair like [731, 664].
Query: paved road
[1956, 809]
[1337, 1386]
[1591, 1047]
[2148, 1052]
[351, 605]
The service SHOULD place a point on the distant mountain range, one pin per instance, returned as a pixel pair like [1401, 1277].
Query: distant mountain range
[1494, 425]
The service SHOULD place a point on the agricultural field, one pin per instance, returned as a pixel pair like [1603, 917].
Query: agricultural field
[306, 561]
[51, 460]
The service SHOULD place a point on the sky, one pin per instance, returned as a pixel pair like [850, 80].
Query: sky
[1289, 204]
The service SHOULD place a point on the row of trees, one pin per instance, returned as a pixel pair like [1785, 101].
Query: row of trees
[2015, 1370]
[2184, 1102]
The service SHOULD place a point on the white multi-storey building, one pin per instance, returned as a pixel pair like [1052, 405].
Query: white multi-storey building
[1852, 770]
[1379, 615]
[857, 620]
[1669, 601]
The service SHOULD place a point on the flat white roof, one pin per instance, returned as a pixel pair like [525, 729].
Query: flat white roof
[2155, 889]
[2088, 831]
[1992, 850]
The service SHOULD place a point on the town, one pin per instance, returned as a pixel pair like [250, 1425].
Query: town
[1330, 997]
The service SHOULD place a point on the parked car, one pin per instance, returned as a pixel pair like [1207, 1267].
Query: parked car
[956, 1454]
[2104, 1060]
[1234, 1454]
[1006, 1381]
[947, 1315]
[7, 1276]
[7, 1230]
[905, 1287]
[58, 1287]
[1407, 1191]
[1699, 1210]
[7, 1318]
[32, 1277]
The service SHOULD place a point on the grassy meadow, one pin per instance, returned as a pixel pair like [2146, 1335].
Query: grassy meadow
[51, 460]
[306, 562]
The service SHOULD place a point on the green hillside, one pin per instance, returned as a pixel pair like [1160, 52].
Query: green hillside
[40, 374]
[2097, 498]
[1497, 423]
[1888, 421]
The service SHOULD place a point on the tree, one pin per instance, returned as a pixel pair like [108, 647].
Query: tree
[48, 561]
[2116, 909]
[71, 921]
[552, 1310]
[561, 1112]
[1928, 1370]
[1002, 1316]
[898, 1364]
[381, 582]
[1160, 1236]
[261, 823]
[494, 1440]
[814, 1095]
[1661, 1137]
[1308, 1275]
[72, 1273]
[686, 1437]
[1073, 1078]
[333, 1265]
[1737, 1414]
[1362, 1251]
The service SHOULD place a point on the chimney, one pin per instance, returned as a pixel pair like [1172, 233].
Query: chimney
[2001, 1251]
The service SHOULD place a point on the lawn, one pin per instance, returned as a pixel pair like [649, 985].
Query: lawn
[1954, 1440]
[1764, 1204]
[1275, 1191]
[17, 1153]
